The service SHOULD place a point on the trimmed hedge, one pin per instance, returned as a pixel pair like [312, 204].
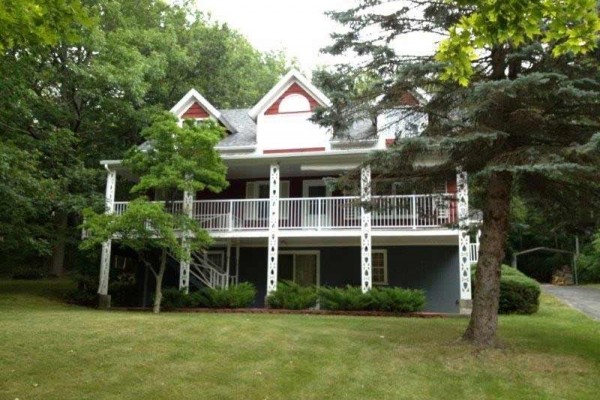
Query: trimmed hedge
[235, 296]
[291, 296]
[377, 299]
[519, 294]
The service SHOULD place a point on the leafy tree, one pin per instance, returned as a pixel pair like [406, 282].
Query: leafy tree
[72, 102]
[513, 102]
[180, 159]
[33, 23]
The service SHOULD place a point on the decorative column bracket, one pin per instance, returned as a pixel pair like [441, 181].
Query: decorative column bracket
[184, 265]
[464, 240]
[273, 250]
[365, 234]
[111, 183]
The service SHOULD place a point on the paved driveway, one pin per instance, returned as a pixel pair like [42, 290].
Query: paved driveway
[584, 299]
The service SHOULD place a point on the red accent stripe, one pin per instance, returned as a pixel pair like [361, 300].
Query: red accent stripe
[308, 149]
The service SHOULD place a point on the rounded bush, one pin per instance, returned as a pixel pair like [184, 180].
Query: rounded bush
[291, 296]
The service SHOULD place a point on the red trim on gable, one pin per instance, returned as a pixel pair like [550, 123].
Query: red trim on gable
[195, 111]
[307, 149]
[293, 89]
[408, 99]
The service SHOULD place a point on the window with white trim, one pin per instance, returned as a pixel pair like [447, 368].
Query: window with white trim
[379, 270]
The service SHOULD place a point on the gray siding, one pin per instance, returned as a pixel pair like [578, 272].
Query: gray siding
[431, 268]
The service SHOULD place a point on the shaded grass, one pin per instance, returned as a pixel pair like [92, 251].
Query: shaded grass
[50, 350]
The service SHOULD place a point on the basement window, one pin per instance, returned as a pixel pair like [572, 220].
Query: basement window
[379, 270]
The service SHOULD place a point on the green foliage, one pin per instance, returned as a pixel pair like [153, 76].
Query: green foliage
[234, 296]
[28, 273]
[569, 26]
[344, 299]
[350, 298]
[519, 294]
[181, 158]
[397, 300]
[291, 296]
[588, 263]
[27, 23]
[81, 80]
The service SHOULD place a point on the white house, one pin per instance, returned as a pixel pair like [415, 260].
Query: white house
[281, 220]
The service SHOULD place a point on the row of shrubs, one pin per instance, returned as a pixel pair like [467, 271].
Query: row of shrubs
[235, 296]
[519, 294]
[292, 296]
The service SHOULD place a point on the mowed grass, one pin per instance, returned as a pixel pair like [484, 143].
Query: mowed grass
[50, 350]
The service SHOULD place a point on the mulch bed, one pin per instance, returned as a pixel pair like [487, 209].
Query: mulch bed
[298, 312]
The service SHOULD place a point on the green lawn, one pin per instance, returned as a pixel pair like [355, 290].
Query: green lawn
[50, 350]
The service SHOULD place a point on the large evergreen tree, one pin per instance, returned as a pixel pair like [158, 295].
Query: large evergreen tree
[514, 100]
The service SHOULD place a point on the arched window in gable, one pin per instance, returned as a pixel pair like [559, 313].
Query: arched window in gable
[294, 103]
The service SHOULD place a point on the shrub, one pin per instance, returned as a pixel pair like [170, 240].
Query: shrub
[519, 294]
[397, 300]
[291, 296]
[174, 298]
[28, 273]
[235, 296]
[377, 299]
[344, 299]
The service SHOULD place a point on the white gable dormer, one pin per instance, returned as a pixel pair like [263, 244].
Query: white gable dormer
[282, 117]
[194, 106]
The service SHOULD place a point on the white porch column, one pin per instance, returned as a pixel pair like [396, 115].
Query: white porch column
[111, 183]
[237, 262]
[365, 231]
[228, 261]
[184, 265]
[273, 250]
[464, 240]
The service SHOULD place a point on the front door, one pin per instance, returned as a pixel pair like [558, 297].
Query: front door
[316, 211]
[301, 267]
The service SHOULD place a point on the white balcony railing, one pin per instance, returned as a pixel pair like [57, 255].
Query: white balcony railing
[322, 213]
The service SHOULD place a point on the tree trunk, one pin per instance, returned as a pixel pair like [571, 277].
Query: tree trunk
[484, 317]
[58, 250]
[159, 279]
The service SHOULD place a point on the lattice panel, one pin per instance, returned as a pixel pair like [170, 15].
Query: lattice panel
[273, 250]
[365, 234]
[184, 267]
[464, 240]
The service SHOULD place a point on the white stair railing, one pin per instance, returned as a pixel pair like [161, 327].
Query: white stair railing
[208, 272]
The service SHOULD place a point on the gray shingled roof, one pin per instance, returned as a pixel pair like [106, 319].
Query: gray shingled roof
[245, 126]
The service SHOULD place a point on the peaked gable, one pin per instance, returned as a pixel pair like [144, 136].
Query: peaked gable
[194, 105]
[299, 86]
[294, 90]
[195, 111]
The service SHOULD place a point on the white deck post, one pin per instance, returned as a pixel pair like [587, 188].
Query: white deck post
[464, 241]
[237, 262]
[228, 261]
[184, 265]
[273, 250]
[111, 183]
[365, 231]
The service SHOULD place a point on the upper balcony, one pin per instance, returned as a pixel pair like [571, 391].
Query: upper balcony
[321, 214]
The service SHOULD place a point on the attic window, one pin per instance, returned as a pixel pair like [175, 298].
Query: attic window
[294, 103]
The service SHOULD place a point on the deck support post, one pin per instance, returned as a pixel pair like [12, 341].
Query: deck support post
[184, 264]
[237, 262]
[464, 241]
[109, 201]
[228, 262]
[365, 231]
[273, 249]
